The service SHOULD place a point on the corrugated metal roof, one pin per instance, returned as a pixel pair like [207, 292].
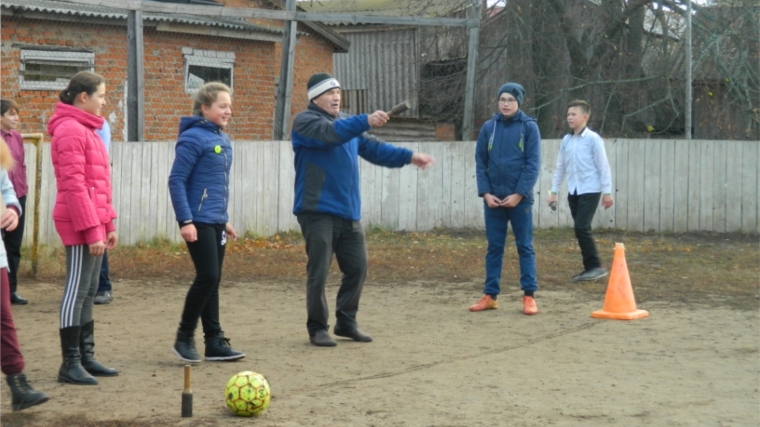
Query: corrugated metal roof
[427, 9]
[104, 12]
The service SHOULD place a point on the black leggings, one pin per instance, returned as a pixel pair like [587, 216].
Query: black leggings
[202, 299]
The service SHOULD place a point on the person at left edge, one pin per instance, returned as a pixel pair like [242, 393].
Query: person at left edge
[8, 129]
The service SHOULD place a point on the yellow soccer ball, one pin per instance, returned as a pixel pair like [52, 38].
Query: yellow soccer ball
[247, 393]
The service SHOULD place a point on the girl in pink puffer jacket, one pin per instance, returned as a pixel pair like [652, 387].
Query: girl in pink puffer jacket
[83, 218]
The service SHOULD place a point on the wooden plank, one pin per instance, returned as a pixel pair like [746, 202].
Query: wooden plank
[30, 159]
[719, 186]
[125, 189]
[425, 203]
[284, 88]
[544, 216]
[161, 188]
[458, 152]
[407, 212]
[564, 216]
[733, 189]
[607, 216]
[706, 183]
[272, 158]
[248, 175]
[472, 71]
[47, 199]
[439, 185]
[116, 172]
[652, 180]
[136, 223]
[259, 207]
[622, 195]
[286, 219]
[667, 190]
[389, 206]
[636, 184]
[601, 215]
[473, 212]
[370, 193]
[172, 228]
[694, 196]
[681, 186]
[151, 189]
[750, 186]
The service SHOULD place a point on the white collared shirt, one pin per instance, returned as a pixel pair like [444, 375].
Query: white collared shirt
[583, 159]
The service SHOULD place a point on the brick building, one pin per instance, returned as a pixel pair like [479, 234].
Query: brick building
[44, 42]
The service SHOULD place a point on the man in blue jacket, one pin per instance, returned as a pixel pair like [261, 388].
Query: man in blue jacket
[327, 201]
[507, 161]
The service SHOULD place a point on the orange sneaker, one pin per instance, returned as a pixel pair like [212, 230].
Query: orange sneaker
[485, 303]
[529, 305]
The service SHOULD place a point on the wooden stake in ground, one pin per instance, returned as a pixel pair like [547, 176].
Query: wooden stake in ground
[187, 395]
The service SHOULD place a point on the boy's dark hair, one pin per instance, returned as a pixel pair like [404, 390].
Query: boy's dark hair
[7, 105]
[585, 108]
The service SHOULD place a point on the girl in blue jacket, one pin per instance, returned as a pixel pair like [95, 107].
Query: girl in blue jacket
[199, 188]
[507, 159]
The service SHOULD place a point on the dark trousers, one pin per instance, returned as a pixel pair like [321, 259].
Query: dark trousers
[202, 300]
[326, 235]
[583, 207]
[11, 359]
[12, 241]
[104, 284]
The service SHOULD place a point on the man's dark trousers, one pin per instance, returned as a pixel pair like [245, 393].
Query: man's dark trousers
[583, 207]
[325, 235]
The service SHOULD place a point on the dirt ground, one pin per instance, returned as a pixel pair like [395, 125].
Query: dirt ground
[433, 363]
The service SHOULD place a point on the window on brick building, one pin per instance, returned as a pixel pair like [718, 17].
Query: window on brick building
[52, 69]
[203, 66]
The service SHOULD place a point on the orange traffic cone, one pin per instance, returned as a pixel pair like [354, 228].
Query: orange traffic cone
[619, 302]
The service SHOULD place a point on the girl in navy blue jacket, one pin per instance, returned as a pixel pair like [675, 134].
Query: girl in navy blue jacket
[199, 188]
[507, 159]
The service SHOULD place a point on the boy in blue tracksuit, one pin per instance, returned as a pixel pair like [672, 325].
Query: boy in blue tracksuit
[507, 159]
[327, 202]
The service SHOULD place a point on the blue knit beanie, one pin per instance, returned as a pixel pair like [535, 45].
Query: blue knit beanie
[513, 89]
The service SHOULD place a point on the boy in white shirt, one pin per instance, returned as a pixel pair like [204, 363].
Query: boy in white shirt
[583, 159]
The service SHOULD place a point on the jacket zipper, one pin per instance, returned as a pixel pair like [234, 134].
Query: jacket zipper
[203, 197]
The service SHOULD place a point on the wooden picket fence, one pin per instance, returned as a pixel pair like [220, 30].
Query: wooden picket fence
[660, 185]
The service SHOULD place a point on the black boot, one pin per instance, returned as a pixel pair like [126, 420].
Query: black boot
[71, 370]
[86, 348]
[218, 348]
[23, 394]
[184, 347]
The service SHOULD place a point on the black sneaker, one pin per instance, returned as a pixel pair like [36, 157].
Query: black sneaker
[218, 348]
[589, 275]
[17, 299]
[184, 347]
